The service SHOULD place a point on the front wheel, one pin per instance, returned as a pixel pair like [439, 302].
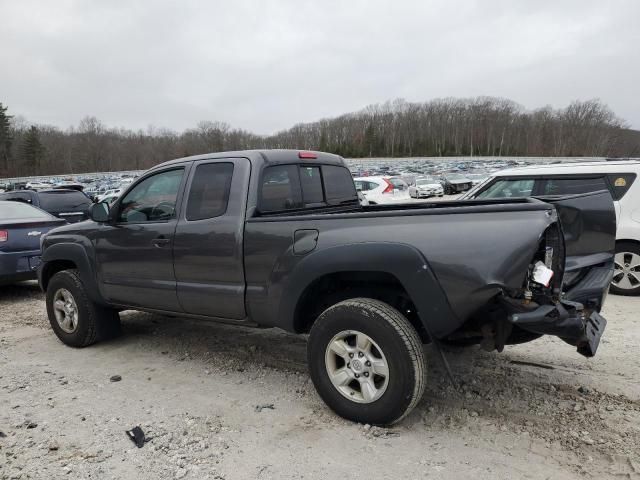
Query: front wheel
[75, 319]
[366, 361]
[626, 276]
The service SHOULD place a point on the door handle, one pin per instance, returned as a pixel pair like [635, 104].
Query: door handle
[161, 241]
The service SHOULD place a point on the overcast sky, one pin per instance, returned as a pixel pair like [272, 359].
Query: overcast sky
[265, 65]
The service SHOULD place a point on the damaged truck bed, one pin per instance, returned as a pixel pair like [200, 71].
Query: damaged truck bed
[279, 239]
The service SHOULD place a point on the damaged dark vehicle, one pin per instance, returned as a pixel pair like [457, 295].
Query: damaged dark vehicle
[278, 238]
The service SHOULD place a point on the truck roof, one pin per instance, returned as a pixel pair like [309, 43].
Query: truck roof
[260, 158]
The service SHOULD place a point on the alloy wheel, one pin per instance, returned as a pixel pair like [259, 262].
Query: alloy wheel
[65, 310]
[357, 366]
[626, 275]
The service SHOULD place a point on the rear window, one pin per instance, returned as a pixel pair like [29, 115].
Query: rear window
[63, 201]
[364, 186]
[338, 184]
[12, 210]
[289, 187]
[311, 185]
[573, 186]
[620, 183]
[280, 189]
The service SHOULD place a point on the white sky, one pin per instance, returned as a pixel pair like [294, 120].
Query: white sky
[265, 65]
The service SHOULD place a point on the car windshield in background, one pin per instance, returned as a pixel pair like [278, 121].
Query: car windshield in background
[16, 210]
[67, 200]
[426, 181]
[455, 176]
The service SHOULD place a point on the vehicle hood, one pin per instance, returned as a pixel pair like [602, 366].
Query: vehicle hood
[428, 185]
[459, 181]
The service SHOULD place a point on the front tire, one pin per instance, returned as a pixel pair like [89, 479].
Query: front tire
[366, 361]
[626, 276]
[75, 319]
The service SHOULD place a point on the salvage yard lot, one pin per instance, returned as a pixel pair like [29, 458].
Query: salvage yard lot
[220, 401]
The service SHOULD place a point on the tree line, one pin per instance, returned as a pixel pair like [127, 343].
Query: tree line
[441, 127]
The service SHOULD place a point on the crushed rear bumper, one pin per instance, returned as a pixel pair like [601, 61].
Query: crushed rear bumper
[566, 320]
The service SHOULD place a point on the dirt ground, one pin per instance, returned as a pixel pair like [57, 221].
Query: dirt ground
[224, 402]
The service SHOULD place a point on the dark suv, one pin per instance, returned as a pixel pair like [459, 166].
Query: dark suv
[70, 205]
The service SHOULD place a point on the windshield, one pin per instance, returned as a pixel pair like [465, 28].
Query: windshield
[426, 181]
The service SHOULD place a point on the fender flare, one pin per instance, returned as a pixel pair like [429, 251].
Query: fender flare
[77, 254]
[403, 261]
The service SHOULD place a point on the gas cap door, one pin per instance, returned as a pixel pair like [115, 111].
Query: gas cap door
[304, 241]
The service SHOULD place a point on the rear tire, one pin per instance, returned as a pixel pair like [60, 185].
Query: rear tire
[374, 342]
[75, 319]
[626, 276]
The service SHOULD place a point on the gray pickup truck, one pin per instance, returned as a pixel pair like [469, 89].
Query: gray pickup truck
[278, 238]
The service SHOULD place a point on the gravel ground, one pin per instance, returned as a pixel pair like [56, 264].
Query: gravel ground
[224, 402]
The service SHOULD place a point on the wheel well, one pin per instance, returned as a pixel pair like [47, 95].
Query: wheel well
[336, 287]
[51, 268]
[622, 240]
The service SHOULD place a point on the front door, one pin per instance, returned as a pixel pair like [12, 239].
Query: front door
[134, 250]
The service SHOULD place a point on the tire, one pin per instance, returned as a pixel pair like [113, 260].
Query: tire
[92, 322]
[626, 277]
[392, 340]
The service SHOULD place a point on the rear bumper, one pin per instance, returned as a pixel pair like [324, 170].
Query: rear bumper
[18, 266]
[567, 320]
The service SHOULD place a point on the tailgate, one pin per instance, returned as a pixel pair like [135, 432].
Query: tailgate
[588, 223]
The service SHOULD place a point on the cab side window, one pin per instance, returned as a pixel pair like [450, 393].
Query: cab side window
[153, 199]
[209, 193]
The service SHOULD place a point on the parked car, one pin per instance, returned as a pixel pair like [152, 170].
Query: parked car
[109, 199]
[21, 227]
[426, 187]
[109, 193]
[383, 190]
[618, 177]
[279, 239]
[455, 183]
[477, 178]
[70, 205]
[37, 186]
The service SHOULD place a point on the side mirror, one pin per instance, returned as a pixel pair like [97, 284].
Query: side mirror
[99, 212]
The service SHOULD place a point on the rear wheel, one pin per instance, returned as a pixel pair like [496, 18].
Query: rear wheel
[626, 276]
[366, 361]
[75, 319]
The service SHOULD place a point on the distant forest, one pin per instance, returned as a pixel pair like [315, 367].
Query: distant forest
[442, 127]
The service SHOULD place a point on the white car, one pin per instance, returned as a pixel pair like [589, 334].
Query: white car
[617, 176]
[110, 193]
[426, 187]
[383, 190]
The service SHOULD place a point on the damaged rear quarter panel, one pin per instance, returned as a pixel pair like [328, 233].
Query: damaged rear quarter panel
[472, 254]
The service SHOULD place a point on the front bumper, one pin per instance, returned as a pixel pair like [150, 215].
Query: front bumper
[429, 193]
[567, 320]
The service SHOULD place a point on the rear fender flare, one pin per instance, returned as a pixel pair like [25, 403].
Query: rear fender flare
[403, 261]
